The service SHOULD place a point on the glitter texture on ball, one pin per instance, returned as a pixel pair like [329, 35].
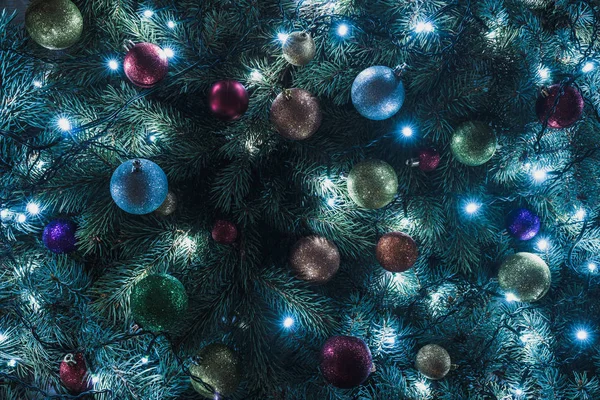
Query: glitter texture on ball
[139, 186]
[314, 259]
[526, 276]
[219, 367]
[73, 373]
[54, 24]
[377, 93]
[296, 114]
[299, 48]
[145, 64]
[372, 184]
[396, 252]
[59, 236]
[433, 361]
[473, 143]
[158, 302]
[346, 361]
[560, 109]
[224, 232]
[522, 224]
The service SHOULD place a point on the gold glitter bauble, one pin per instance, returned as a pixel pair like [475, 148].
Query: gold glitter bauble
[168, 206]
[526, 276]
[372, 184]
[314, 259]
[299, 48]
[473, 143]
[218, 367]
[296, 114]
[396, 251]
[433, 361]
[54, 24]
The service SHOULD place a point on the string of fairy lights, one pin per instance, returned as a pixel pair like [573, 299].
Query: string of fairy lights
[32, 209]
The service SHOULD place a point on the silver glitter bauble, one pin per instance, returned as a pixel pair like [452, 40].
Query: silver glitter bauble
[168, 206]
[377, 93]
[473, 143]
[525, 275]
[217, 371]
[139, 186]
[314, 259]
[54, 24]
[299, 48]
[433, 361]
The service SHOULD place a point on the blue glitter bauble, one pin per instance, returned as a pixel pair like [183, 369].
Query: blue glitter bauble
[139, 186]
[377, 93]
[59, 236]
[522, 224]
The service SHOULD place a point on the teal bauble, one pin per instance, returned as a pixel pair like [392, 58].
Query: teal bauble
[158, 302]
[217, 371]
[473, 143]
[54, 24]
[377, 93]
[372, 184]
[525, 275]
[139, 186]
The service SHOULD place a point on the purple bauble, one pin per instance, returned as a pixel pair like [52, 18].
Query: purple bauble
[59, 236]
[429, 159]
[563, 113]
[228, 99]
[145, 64]
[346, 361]
[522, 224]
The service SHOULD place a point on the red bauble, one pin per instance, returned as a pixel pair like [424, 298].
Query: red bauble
[74, 373]
[346, 361]
[145, 64]
[228, 99]
[396, 251]
[429, 159]
[568, 109]
[224, 232]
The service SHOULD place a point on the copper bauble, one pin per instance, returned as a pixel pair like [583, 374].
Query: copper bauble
[396, 251]
[296, 114]
[314, 259]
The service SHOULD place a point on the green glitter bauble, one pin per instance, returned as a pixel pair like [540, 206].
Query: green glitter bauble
[526, 276]
[158, 301]
[54, 24]
[218, 367]
[473, 143]
[372, 184]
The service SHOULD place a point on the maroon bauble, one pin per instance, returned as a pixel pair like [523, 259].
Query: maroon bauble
[74, 373]
[346, 361]
[568, 109]
[224, 232]
[429, 159]
[145, 64]
[228, 100]
[396, 251]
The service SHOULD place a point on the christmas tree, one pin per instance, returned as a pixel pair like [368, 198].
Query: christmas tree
[300, 199]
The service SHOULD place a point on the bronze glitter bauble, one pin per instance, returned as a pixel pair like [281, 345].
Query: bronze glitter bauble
[299, 48]
[54, 24]
[314, 259]
[296, 114]
[473, 143]
[168, 206]
[372, 184]
[396, 252]
[218, 366]
[526, 276]
[433, 361]
[158, 302]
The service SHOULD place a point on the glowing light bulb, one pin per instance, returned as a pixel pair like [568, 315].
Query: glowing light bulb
[3, 337]
[510, 297]
[37, 84]
[407, 131]
[288, 322]
[544, 73]
[343, 29]
[582, 334]
[580, 214]
[95, 379]
[592, 267]
[144, 360]
[421, 386]
[171, 24]
[21, 218]
[282, 37]
[424, 27]
[331, 202]
[539, 175]
[587, 67]
[256, 75]
[518, 392]
[33, 208]
[64, 124]
[471, 208]
[543, 244]
[148, 13]
[4, 214]
[113, 64]
[169, 52]
[12, 362]
[152, 138]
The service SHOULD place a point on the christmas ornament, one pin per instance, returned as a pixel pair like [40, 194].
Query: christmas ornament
[345, 361]
[59, 236]
[377, 93]
[433, 361]
[73, 373]
[473, 143]
[224, 232]
[522, 224]
[54, 24]
[427, 160]
[158, 301]
[372, 184]
[526, 276]
[299, 48]
[314, 259]
[145, 64]
[396, 251]
[219, 367]
[296, 114]
[228, 99]
[139, 186]
[168, 206]
[560, 109]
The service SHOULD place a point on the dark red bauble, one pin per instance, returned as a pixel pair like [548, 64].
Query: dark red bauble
[74, 373]
[429, 159]
[346, 361]
[145, 64]
[224, 232]
[228, 99]
[396, 251]
[566, 112]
